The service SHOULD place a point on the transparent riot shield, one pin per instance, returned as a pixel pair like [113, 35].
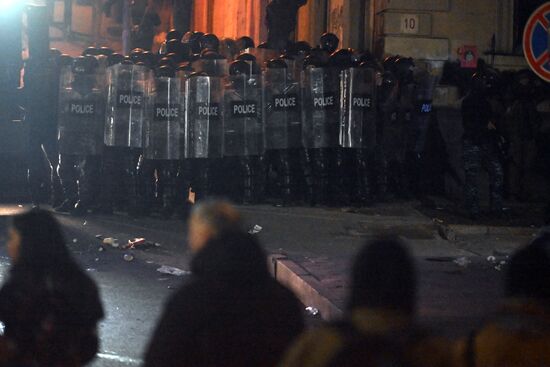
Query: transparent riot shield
[282, 110]
[358, 113]
[81, 117]
[320, 107]
[164, 132]
[243, 126]
[101, 72]
[262, 55]
[65, 77]
[126, 105]
[212, 67]
[203, 134]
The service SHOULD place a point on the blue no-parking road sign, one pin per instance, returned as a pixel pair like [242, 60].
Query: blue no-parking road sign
[536, 41]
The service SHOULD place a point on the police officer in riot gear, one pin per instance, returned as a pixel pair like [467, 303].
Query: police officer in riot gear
[283, 126]
[342, 160]
[163, 144]
[128, 85]
[480, 144]
[424, 84]
[358, 129]
[399, 127]
[203, 131]
[41, 103]
[320, 118]
[243, 130]
[522, 126]
[80, 132]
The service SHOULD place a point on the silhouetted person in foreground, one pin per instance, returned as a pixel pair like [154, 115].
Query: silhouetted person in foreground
[49, 306]
[378, 327]
[231, 312]
[519, 334]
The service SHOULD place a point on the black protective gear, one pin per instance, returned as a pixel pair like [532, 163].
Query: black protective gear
[329, 42]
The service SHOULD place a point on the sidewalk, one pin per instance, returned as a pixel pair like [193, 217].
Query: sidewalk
[313, 250]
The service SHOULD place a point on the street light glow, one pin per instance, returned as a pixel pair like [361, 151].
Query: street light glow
[7, 4]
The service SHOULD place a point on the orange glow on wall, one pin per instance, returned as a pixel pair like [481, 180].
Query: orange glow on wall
[232, 18]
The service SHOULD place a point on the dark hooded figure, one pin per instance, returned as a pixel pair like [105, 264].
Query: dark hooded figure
[49, 306]
[518, 334]
[379, 326]
[231, 312]
[281, 21]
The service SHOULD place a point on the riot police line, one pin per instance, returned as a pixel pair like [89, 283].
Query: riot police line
[319, 126]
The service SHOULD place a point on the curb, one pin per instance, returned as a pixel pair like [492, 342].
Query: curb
[304, 285]
[452, 232]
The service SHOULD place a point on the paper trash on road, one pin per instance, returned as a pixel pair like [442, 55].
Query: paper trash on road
[140, 243]
[255, 229]
[462, 261]
[111, 242]
[164, 269]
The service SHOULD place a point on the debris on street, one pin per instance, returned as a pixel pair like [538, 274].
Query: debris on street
[110, 241]
[462, 262]
[140, 243]
[165, 269]
[128, 257]
[256, 229]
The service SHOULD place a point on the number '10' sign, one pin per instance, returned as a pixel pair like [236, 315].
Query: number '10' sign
[409, 23]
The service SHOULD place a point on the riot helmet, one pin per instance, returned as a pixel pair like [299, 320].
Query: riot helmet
[403, 68]
[240, 67]
[84, 65]
[228, 48]
[244, 42]
[302, 47]
[168, 60]
[90, 51]
[105, 51]
[209, 41]
[193, 40]
[65, 60]
[329, 42]
[313, 61]
[165, 71]
[135, 54]
[173, 34]
[276, 64]
[115, 59]
[342, 59]
[149, 59]
[247, 57]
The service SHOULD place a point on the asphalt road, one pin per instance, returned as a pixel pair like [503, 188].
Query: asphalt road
[133, 292]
